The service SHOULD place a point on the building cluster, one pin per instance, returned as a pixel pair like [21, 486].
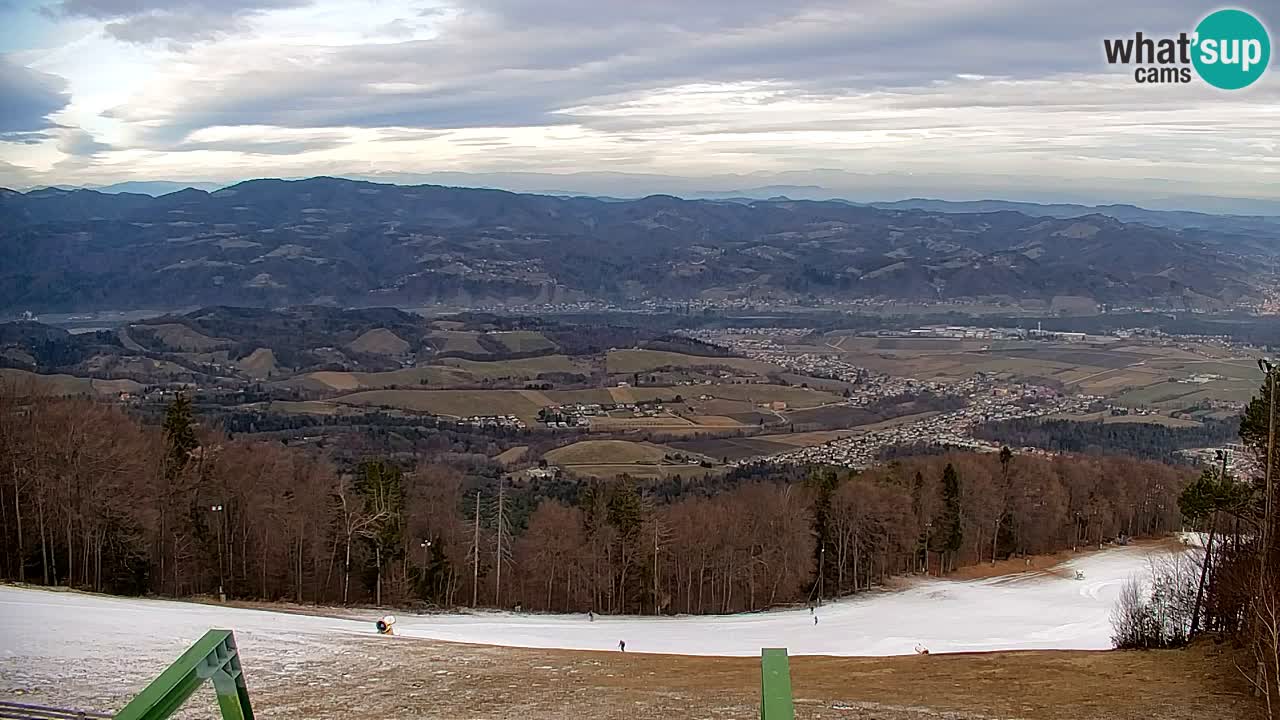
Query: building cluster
[1241, 462]
[493, 422]
[579, 415]
[870, 386]
[949, 429]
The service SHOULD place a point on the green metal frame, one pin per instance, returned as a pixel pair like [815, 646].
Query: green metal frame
[213, 658]
[775, 685]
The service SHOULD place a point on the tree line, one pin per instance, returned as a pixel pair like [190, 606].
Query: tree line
[91, 497]
[1238, 590]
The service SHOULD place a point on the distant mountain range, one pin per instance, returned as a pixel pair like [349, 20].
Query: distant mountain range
[273, 242]
[814, 184]
[154, 188]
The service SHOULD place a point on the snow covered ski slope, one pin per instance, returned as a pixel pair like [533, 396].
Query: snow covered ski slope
[1019, 612]
[1032, 611]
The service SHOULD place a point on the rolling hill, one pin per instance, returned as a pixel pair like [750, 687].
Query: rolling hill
[326, 240]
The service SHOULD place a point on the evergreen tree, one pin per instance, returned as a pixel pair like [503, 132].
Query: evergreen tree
[951, 528]
[1253, 423]
[179, 435]
[626, 515]
[823, 482]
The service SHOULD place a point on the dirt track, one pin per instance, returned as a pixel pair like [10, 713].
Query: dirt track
[405, 679]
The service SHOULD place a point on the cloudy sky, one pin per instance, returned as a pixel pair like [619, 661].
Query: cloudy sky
[960, 98]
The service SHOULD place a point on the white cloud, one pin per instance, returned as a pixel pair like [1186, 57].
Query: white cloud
[940, 88]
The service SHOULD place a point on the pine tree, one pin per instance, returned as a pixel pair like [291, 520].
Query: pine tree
[1254, 422]
[626, 515]
[952, 530]
[824, 483]
[179, 435]
[179, 444]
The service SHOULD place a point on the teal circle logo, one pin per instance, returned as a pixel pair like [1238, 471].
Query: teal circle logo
[1232, 49]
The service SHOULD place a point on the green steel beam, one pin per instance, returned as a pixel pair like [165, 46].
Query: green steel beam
[775, 685]
[214, 658]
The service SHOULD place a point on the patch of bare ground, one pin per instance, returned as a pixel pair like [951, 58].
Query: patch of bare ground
[405, 678]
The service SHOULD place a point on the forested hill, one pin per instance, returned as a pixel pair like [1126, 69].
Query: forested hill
[1139, 439]
[274, 242]
[96, 500]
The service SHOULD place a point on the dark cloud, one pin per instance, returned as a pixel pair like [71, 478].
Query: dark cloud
[27, 99]
[145, 21]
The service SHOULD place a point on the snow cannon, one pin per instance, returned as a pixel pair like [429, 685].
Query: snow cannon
[384, 625]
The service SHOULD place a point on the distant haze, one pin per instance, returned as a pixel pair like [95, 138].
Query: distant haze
[760, 186]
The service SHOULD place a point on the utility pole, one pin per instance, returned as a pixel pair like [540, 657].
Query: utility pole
[218, 511]
[822, 570]
[475, 556]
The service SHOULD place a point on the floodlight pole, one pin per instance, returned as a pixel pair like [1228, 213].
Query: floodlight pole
[218, 510]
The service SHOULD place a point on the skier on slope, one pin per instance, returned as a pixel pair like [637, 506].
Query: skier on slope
[622, 645]
[591, 616]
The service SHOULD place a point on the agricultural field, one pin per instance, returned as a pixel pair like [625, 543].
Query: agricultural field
[523, 341]
[608, 452]
[610, 458]
[449, 403]
[429, 375]
[725, 406]
[261, 364]
[513, 455]
[380, 341]
[66, 384]
[1162, 376]
[522, 369]
[625, 362]
[449, 373]
[456, 341]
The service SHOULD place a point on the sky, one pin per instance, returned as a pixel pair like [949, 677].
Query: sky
[946, 98]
